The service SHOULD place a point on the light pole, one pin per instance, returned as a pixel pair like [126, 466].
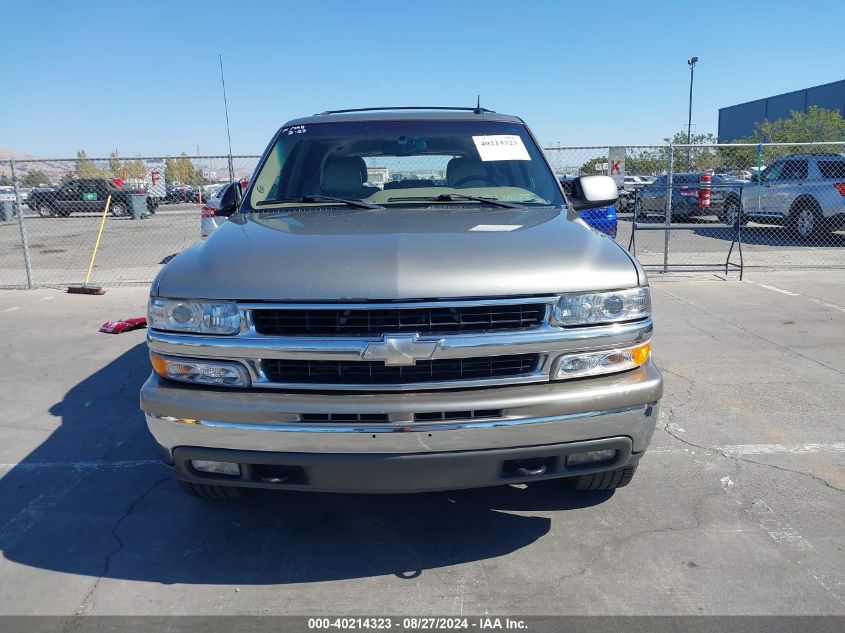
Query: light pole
[691, 63]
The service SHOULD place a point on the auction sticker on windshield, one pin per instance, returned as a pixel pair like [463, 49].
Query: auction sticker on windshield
[500, 147]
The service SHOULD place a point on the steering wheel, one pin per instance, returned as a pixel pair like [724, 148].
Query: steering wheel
[466, 179]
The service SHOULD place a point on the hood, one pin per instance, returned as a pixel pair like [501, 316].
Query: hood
[390, 254]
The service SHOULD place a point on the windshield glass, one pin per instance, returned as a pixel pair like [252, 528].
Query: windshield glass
[393, 163]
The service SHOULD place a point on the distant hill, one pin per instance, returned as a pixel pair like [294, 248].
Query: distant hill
[53, 169]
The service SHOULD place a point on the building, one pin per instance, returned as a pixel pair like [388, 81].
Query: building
[738, 121]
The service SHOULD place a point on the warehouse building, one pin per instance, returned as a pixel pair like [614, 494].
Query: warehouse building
[738, 121]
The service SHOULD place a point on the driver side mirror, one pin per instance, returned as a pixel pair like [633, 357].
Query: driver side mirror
[591, 192]
[230, 202]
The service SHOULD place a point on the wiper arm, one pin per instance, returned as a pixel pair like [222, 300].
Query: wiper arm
[358, 204]
[454, 197]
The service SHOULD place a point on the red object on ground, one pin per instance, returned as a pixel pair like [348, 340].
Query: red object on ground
[126, 325]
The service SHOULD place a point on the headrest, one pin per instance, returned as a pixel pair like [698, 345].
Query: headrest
[463, 169]
[343, 176]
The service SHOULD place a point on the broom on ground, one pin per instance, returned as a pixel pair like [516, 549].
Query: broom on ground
[85, 289]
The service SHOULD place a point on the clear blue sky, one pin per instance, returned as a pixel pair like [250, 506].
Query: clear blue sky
[143, 77]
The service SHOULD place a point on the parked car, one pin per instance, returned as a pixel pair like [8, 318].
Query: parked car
[686, 189]
[196, 194]
[602, 218]
[628, 191]
[333, 336]
[224, 203]
[175, 193]
[80, 195]
[805, 192]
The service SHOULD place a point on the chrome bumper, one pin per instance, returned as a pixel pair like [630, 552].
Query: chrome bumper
[532, 415]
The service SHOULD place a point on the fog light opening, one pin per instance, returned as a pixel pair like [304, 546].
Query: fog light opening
[590, 457]
[216, 468]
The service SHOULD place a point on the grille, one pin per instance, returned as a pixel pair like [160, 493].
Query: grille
[345, 418]
[439, 320]
[382, 418]
[439, 416]
[326, 372]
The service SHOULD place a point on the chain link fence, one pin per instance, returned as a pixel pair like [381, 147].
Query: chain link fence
[700, 207]
[680, 207]
[52, 214]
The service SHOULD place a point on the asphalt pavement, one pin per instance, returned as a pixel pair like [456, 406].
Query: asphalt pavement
[738, 507]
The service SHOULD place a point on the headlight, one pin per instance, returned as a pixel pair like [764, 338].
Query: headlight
[203, 317]
[204, 372]
[603, 307]
[604, 362]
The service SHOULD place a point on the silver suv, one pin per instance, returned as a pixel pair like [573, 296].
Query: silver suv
[805, 192]
[455, 325]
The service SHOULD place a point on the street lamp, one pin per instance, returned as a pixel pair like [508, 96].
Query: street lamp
[691, 62]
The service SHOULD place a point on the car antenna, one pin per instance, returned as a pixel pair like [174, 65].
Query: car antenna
[478, 108]
[226, 108]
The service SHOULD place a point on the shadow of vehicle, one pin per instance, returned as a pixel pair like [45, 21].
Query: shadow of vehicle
[93, 500]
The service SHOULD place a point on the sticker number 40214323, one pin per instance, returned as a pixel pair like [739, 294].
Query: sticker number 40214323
[500, 147]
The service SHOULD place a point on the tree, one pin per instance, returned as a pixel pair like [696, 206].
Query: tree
[182, 170]
[34, 178]
[114, 165]
[5, 181]
[817, 125]
[135, 169]
[814, 126]
[85, 167]
[694, 158]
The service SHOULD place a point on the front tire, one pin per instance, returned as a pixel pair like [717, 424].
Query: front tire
[211, 491]
[608, 480]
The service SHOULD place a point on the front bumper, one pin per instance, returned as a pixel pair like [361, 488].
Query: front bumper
[545, 421]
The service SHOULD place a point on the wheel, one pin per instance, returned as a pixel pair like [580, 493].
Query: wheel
[46, 210]
[118, 209]
[805, 219]
[211, 491]
[732, 212]
[608, 480]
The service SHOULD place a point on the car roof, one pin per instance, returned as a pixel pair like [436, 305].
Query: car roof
[405, 115]
[813, 155]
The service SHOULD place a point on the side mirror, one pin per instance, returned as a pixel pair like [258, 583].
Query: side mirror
[591, 192]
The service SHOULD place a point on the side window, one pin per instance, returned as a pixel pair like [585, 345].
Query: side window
[772, 172]
[794, 170]
[832, 168]
[659, 182]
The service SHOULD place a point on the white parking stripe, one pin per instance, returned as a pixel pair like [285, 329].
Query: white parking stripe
[79, 466]
[758, 449]
[797, 294]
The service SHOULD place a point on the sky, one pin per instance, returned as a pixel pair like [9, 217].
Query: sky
[143, 78]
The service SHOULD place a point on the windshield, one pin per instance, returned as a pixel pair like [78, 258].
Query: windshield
[392, 163]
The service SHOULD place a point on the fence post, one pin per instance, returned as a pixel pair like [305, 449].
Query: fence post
[22, 225]
[668, 211]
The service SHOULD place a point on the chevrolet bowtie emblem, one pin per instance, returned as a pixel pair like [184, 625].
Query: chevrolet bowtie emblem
[400, 349]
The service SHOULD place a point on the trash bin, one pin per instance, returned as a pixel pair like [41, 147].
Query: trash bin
[7, 210]
[139, 206]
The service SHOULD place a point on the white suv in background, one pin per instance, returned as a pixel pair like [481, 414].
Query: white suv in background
[805, 192]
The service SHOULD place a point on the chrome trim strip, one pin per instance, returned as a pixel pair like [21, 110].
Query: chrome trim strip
[414, 427]
[398, 305]
[547, 339]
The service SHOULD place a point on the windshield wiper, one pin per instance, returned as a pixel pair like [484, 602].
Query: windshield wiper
[358, 204]
[453, 197]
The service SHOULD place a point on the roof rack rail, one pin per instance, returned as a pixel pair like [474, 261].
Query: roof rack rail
[477, 110]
